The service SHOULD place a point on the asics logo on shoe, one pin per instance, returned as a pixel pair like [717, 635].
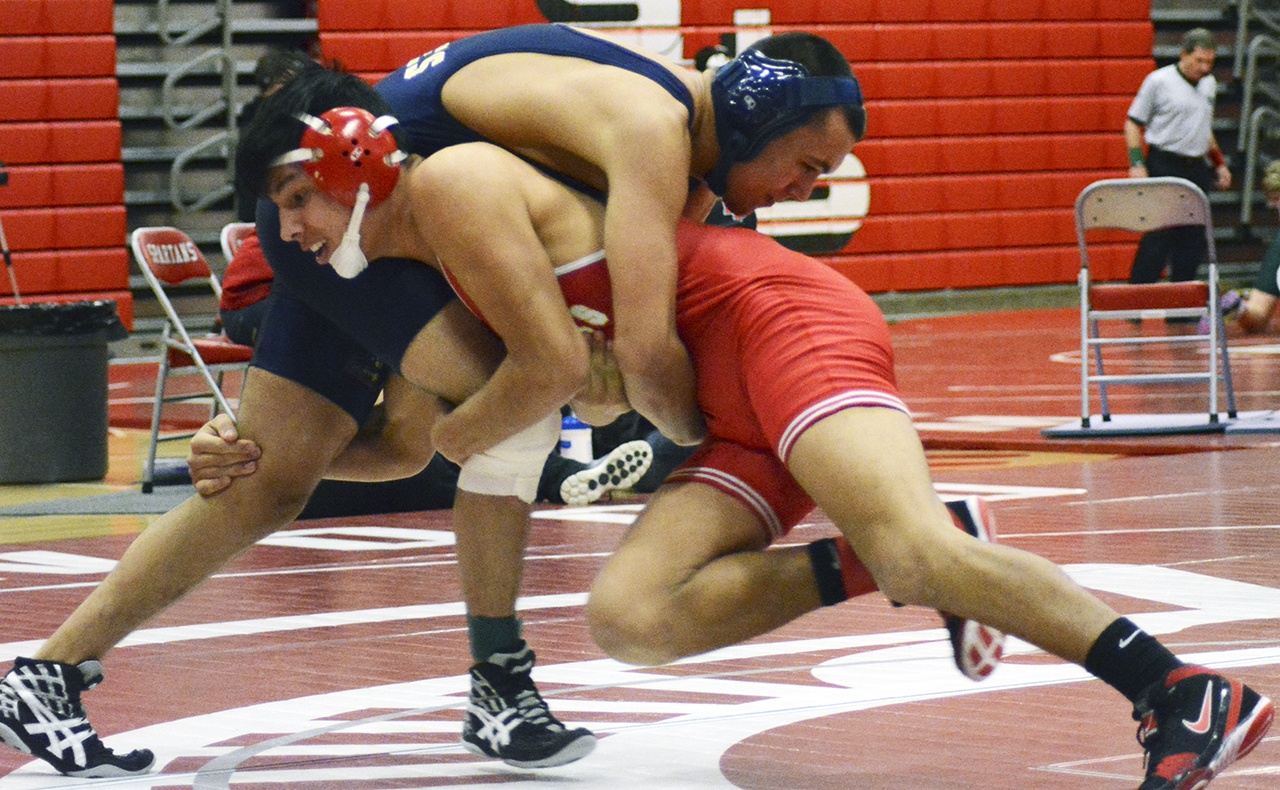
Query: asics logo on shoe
[1125, 642]
[1201, 725]
[496, 729]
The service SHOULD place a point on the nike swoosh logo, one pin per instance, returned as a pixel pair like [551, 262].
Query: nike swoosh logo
[1125, 642]
[1201, 725]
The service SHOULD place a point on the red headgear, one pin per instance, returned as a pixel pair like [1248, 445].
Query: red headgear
[346, 147]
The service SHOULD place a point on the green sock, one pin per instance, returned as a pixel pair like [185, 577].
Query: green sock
[489, 635]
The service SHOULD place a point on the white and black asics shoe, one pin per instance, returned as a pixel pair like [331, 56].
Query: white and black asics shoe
[41, 715]
[507, 718]
[621, 468]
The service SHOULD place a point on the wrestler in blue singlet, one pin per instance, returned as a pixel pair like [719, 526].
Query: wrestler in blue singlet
[414, 90]
[319, 333]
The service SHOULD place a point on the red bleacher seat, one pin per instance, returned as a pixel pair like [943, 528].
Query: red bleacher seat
[68, 271]
[966, 230]
[63, 185]
[381, 15]
[57, 142]
[996, 78]
[380, 52]
[58, 56]
[57, 17]
[64, 214]
[914, 271]
[981, 117]
[65, 228]
[1007, 153]
[59, 99]
[953, 41]
[989, 191]
[804, 12]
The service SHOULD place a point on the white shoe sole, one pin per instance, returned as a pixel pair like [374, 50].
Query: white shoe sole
[977, 648]
[621, 468]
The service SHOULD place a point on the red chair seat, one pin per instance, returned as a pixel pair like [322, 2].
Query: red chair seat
[215, 350]
[1149, 296]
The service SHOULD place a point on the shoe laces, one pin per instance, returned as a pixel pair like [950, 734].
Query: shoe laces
[1148, 735]
[50, 690]
[534, 709]
[514, 689]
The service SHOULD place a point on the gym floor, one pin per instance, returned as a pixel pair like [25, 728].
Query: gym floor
[333, 655]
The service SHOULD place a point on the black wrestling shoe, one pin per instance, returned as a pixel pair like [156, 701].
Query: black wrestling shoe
[507, 718]
[41, 715]
[1195, 723]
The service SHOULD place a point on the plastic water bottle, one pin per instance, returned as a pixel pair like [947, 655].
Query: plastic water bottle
[575, 440]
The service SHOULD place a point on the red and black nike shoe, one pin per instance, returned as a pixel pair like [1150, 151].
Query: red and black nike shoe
[1194, 724]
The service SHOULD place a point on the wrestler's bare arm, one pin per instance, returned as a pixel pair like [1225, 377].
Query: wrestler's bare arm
[390, 445]
[483, 234]
[620, 131]
[453, 356]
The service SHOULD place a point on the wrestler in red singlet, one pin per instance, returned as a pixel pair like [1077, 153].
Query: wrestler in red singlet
[778, 340]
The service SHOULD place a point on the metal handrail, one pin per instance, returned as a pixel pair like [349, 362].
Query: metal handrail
[1242, 34]
[1244, 13]
[1251, 161]
[200, 28]
[1259, 46]
[225, 138]
[171, 80]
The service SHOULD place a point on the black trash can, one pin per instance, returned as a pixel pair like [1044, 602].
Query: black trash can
[53, 390]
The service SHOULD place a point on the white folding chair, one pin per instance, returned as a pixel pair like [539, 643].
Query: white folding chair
[1147, 204]
[167, 258]
[233, 235]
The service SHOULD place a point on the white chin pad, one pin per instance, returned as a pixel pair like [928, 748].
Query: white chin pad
[349, 260]
[513, 466]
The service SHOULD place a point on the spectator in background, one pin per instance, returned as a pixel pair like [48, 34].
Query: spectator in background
[1173, 111]
[246, 284]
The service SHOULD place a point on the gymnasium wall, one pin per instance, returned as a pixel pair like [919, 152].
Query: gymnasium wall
[985, 117]
[63, 209]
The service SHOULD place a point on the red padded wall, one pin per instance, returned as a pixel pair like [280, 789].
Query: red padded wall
[63, 208]
[985, 117]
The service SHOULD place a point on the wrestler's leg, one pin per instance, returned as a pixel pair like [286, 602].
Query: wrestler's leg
[299, 433]
[866, 469]
[692, 575]
[491, 532]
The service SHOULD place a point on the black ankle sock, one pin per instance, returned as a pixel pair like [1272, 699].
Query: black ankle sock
[489, 635]
[824, 556]
[1129, 659]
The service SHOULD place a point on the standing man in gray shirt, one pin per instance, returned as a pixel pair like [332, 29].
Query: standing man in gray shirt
[1173, 111]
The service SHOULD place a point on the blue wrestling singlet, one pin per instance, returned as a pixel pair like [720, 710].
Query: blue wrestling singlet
[339, 337]
[414, 90]
[383, 309]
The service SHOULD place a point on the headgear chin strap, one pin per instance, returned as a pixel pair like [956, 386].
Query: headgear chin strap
[354, 159]
[348, 260]
[758, 99]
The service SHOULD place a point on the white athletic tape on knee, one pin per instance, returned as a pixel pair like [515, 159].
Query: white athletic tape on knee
[513, 466]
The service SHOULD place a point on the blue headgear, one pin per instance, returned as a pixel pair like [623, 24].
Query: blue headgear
[758, 99]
